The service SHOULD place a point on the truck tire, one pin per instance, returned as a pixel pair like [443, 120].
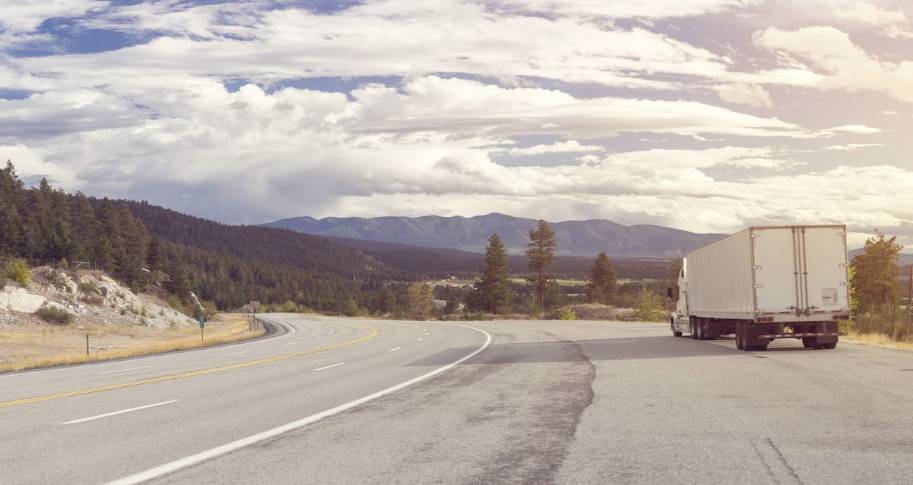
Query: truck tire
[692, 326]
[810, 342]
[699, 329]
[739, 336]
[830, 346]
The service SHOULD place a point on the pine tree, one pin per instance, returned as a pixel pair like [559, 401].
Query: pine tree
[154, 255]
[179, 285]
[493, 290]
[85, 227]
[602, 280]
[11, 236]
[541, 251]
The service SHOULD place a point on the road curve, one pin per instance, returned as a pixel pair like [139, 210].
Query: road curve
[111, 421]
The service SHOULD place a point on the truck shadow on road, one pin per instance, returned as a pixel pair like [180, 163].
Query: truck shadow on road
[594, 350]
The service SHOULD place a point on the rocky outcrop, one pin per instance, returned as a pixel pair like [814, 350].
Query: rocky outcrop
[91, 296]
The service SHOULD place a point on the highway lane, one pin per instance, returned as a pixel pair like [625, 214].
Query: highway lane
[200, 400]
[546, 402]
[579, 402]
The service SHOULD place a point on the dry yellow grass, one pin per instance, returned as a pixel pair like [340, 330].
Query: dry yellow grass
[877, 340]
[29, 347]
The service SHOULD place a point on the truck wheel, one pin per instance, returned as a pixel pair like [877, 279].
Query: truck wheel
[810, 342]
[676, 334]
[829, 346]
[739, 336]
[692, 326]
[699, 330]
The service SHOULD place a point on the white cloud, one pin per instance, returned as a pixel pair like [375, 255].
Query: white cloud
[381, 38]
[844, 65]
[852, 146]
[570, 146]
[867, 13]
[747, 94]
[626, 8]
[23, 17]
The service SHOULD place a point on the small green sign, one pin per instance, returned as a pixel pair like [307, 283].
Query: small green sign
[202, 321]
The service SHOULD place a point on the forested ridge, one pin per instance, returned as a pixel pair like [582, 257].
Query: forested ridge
[141, 245]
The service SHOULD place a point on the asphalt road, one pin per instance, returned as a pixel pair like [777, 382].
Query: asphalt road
[360, 401]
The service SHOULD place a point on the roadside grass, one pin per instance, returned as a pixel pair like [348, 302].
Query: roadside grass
[877, 340]
[30, 347]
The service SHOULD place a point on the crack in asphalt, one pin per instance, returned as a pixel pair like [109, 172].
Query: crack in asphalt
[789, 468]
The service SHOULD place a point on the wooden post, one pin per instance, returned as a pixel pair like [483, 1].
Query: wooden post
[87, 344]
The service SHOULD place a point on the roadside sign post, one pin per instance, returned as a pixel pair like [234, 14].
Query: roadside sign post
[202, 321]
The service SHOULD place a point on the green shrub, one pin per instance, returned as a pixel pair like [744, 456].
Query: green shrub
[567, 313]
[57, 316]
[18, 271]
[648, 306]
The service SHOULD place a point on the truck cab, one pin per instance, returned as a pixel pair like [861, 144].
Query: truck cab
[679, 317]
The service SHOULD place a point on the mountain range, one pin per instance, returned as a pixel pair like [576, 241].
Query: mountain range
[574, 238]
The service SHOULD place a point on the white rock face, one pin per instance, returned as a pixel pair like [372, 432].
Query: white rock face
[16, 299]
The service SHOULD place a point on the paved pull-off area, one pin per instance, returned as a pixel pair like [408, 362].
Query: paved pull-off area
[363, 401]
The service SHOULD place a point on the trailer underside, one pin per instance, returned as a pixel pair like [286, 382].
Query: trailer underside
[754, 335]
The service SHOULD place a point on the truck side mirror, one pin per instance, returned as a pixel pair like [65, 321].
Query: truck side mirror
[669, 293]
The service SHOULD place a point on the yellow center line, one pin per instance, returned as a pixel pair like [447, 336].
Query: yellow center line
[202, 372]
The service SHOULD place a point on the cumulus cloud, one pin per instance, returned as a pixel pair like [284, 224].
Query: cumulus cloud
[844, 65]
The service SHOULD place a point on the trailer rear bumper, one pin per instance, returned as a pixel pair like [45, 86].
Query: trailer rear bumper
[798, 335]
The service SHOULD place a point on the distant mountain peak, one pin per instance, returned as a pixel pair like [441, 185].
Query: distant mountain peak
[575, 238]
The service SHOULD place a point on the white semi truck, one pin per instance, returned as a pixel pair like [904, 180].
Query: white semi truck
[766, 283]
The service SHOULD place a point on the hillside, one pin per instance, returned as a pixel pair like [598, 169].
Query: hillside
[142, 245]
[233, 265]
[575, 238]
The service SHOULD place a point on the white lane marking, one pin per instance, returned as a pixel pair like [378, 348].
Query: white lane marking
[329, 366]
[124, 370]
[285, 428]
[394, 349]
[419, 340]
[236, 353]
[290, 343]
[123, 411]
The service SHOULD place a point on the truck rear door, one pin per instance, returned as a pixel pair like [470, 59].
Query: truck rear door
[825, 261]
[775, 265]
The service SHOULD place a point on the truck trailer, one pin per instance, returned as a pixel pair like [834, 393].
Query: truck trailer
[766, 283]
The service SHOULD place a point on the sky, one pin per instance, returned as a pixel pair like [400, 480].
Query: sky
[704, 115]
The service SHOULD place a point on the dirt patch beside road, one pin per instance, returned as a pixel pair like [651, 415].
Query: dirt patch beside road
[31, 346]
